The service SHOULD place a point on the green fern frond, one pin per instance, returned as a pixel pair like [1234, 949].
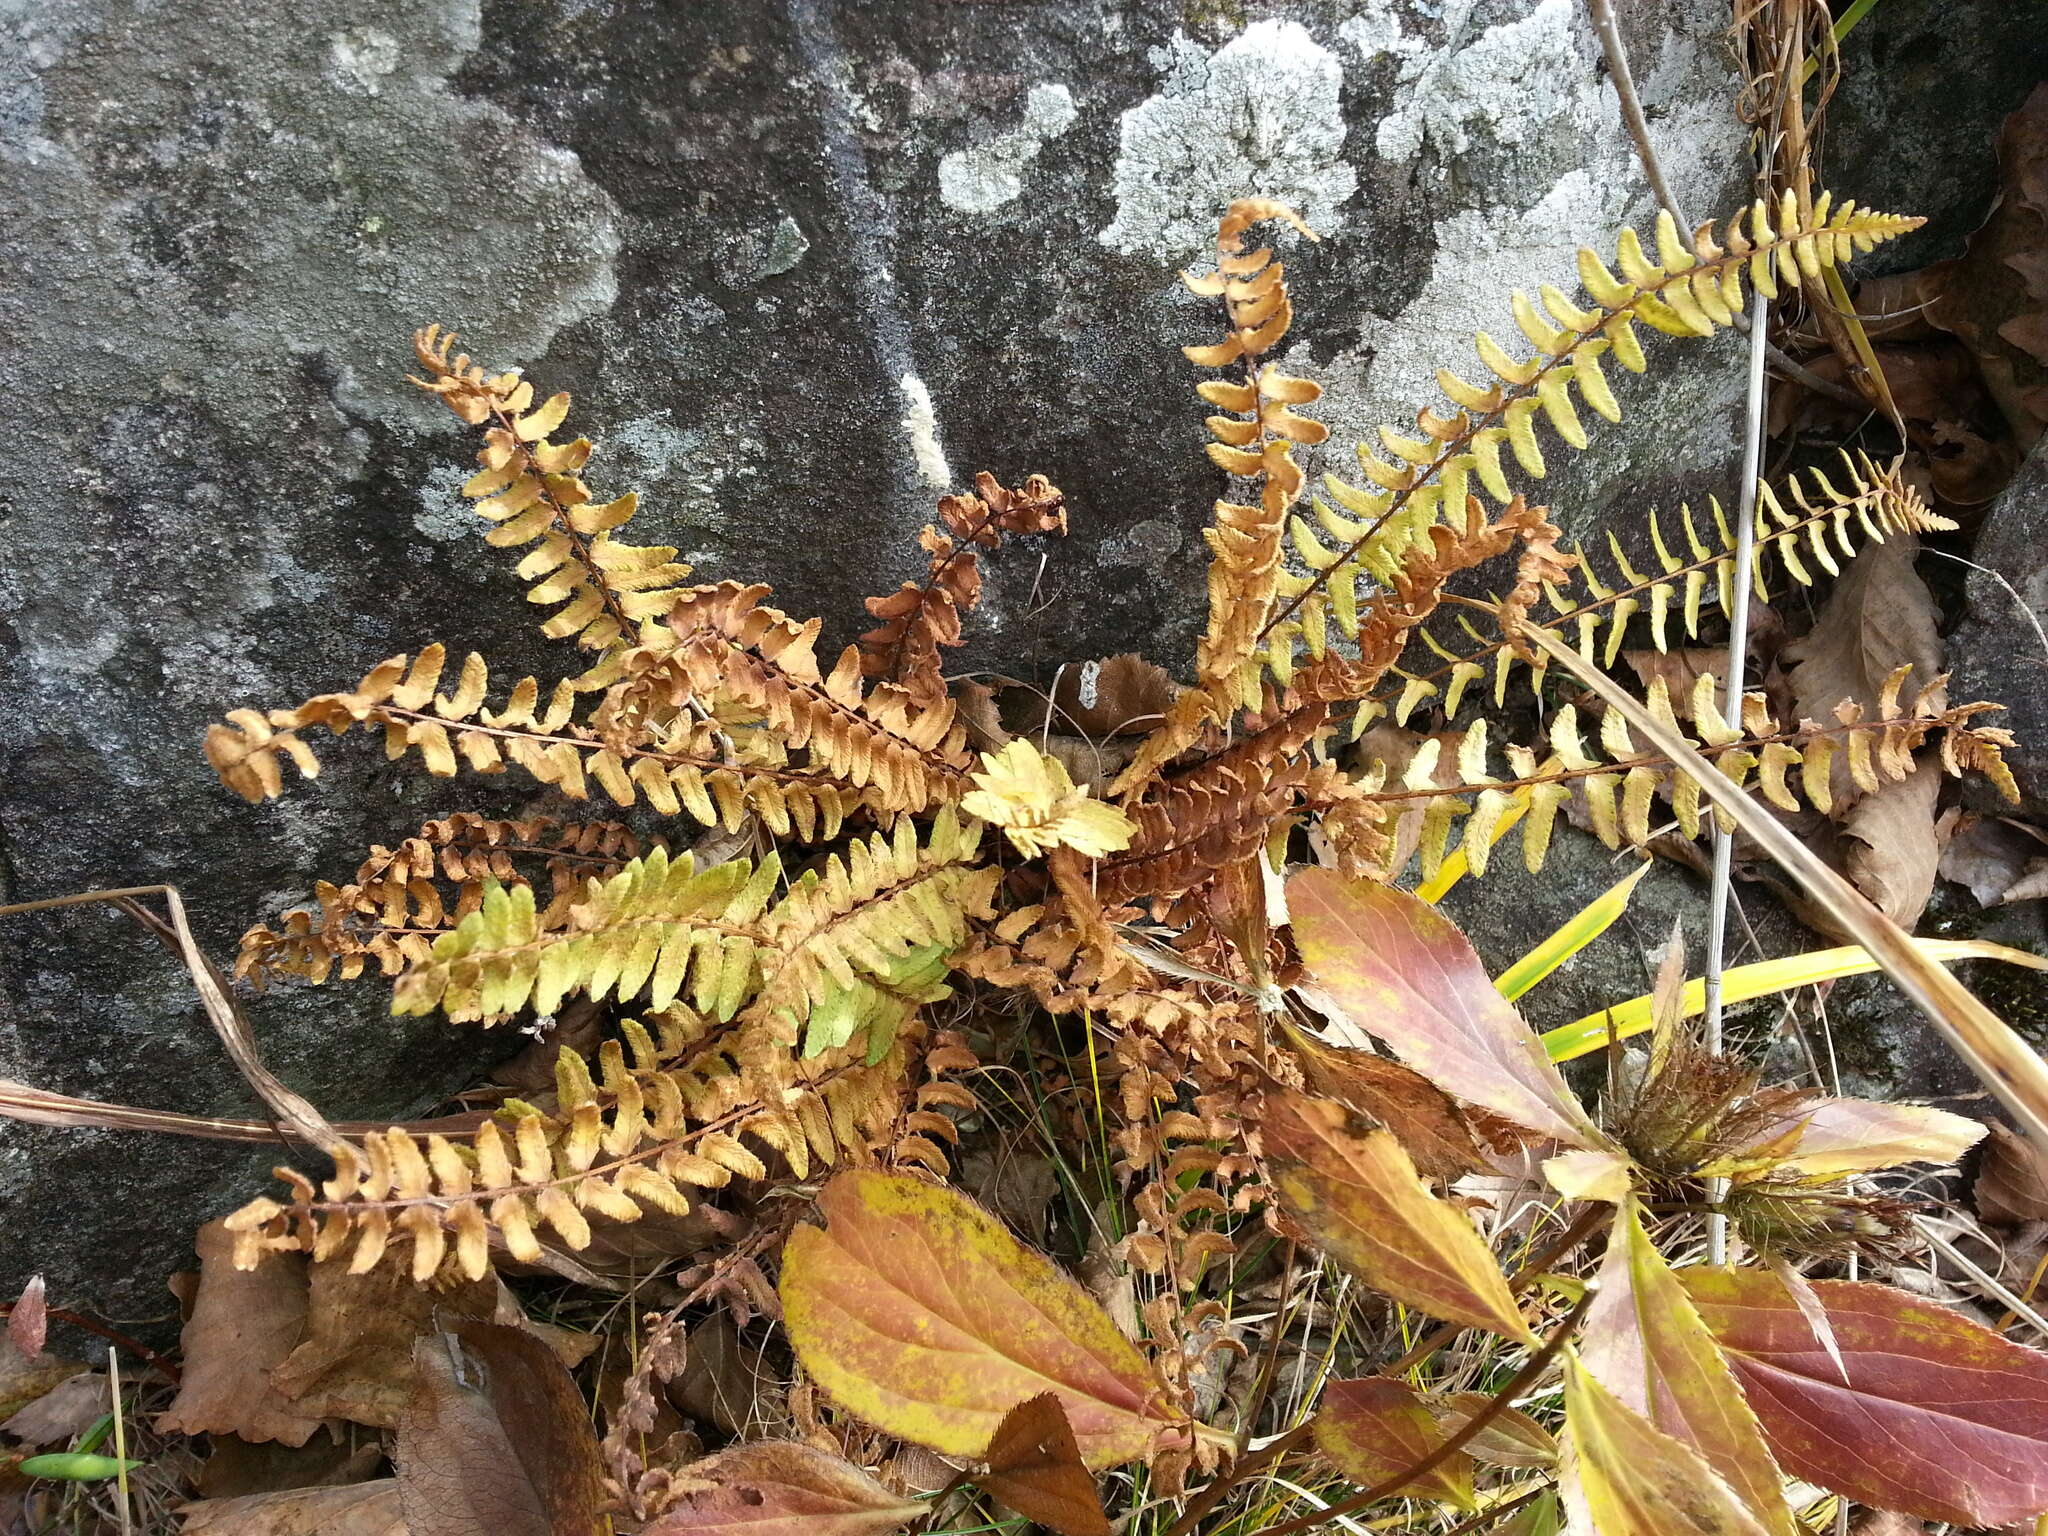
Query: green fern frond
[1446, 795]
[1819, 527]
[1693, 288]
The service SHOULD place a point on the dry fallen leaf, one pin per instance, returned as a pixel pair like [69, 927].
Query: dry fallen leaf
[781, 1488]
[1994, 297]
[361, 1509]
[2012, 1181]
[65, 1410]
[356, 1361]
[495, 1440]
[1880, 617]
[1120, 696]
[244, 1324]
[1035, 1467]
[26, 1381]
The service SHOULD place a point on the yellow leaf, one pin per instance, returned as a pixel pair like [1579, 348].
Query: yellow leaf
[1038, 806]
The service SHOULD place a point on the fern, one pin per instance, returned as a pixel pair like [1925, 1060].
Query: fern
[1877, 502]
[779, 1001]
[1693, 289]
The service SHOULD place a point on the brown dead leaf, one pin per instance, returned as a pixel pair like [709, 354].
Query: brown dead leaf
[1886, 1522]
[1879, 617]
[235, 1468]
[2012, 1181]
[244, 1324]
[356, 1361]
[1893, 844]
[1122, 696]
[1680, 669]
[1422, 1117]
[67, 1409]
[1994, 297]
[781, 1488]
[495, 1440]
[361, 1509]
[727, 1382]
[1035, 1467]
[26, 1381]
[28, 1324]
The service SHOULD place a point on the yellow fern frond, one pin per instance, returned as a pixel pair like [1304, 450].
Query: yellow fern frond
[1362, 532]
[1034, 800]
[603, 591]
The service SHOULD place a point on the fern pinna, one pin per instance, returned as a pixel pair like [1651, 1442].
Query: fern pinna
[773, 976]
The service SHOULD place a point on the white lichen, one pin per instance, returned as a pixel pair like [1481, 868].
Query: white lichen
[1261, 116]
[921, 425]
[983, 179]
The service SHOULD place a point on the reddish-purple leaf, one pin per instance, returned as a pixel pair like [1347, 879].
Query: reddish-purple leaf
[29, 1323]
[1035, 1467]
[1353, 1190]
[780, 1488]
[1939, 1417]
[1645, 1343]
[1396, 967]
[1373, 1427]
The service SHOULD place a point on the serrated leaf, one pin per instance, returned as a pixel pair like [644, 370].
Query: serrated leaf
[1373, 1427]
[915, 1309]
[1357, 1195]
[1396, 967]
[1035, 1467]
[1647, 1344]
[781, 1488]
[1940, 1417]
[1623, 1476]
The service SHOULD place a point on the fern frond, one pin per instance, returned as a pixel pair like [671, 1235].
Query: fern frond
[657, 1131]
[403, 898]
[1255, 433]
[921, 617]
[909, 751]
[1820, 527]
[1693, 289]
[603, 591]
[663, 929]
[1444, 790]
[715, 769]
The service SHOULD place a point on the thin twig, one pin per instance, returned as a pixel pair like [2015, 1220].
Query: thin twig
[111, 1335]
[1631, 105]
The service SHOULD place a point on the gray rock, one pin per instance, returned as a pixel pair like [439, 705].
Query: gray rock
[804, 267]
[1998, 651]
[1914, 127]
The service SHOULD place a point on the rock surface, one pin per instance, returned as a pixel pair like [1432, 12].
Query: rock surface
[803, 265]
[1998, 651]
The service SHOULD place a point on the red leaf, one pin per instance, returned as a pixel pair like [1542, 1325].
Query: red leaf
[29, 1323]
[1940, 1417]
[1357, 1195]
[495, 1440]
[1373, 1427]
[1035, 1467]
[1397, 968]
[915, 1309]
[780, 1488]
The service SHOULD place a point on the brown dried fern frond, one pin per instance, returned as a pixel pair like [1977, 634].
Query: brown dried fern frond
[921, 617]
[401, 899]
[717, 770]
[1254, 440]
